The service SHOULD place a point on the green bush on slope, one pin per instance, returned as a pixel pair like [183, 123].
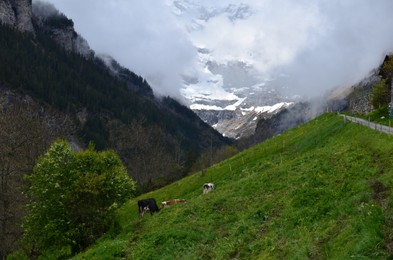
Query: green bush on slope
[73, 196]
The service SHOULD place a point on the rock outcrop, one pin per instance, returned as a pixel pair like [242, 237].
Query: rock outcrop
[240, 122]
[21, 14]
[134, 82]
[277, 123]
[60, 28]
[17, 13]
[359, 99]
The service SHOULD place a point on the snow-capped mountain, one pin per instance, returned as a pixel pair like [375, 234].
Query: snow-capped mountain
[226, 91]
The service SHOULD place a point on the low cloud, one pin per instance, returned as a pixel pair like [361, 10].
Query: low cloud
[308, 46]
[144, 36]
[352, 40]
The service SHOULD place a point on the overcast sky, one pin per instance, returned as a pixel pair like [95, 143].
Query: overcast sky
[314, 44]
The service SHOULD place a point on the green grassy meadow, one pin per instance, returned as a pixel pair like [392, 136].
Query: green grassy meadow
[321, 191]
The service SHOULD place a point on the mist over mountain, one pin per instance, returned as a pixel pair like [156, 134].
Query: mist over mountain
[245, 66]
[251, 70]
[52, 85]
[230, 56]
[228, 60]
[306, 48]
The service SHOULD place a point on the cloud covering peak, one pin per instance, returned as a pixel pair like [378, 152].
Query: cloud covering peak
[308, 46]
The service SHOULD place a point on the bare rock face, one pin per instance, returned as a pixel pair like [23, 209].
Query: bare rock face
[269, 125]
[23, 15]
[359, 99]
[71, 41]
[60, 28]
[17, 13]
[7, 15]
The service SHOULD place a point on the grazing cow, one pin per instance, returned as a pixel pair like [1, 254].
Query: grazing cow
[168, 203]
[147, 205]
[208, 187]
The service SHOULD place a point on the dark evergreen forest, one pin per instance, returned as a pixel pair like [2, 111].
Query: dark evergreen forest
[70, 82]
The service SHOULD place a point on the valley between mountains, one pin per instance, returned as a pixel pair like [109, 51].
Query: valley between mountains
[288, 123]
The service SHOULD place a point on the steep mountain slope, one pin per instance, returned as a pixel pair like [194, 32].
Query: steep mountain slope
[226, 90]
[54, 87]
[229, 72]
[100, 98]
[27, 128]
[322, 190]
[17, 13]
[60, 28]
[271, 124]
[358, 99]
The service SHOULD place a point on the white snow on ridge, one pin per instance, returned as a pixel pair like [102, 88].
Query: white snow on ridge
[205, 107]
[208, 87]
[196, 93]
[272, 109]
[259, 110]
[247, 109]
[234, 106]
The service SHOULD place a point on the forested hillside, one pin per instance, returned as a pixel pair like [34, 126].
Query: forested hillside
[72, 84]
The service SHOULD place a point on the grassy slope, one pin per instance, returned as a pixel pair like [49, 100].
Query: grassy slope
[322, 190]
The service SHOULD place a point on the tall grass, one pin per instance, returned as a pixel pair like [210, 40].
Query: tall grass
[322, 190]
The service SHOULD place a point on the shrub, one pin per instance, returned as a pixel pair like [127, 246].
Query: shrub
[380, 95]
[73, 196]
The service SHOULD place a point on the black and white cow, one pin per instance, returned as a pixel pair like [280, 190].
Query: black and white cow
[147, 205]
[208, 187]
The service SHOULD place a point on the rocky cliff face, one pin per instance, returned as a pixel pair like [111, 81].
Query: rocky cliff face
[60, 28]
[17, 13]
[359, 99]
[71, 41]
[21, 13]
[273, 124]
[240, 122]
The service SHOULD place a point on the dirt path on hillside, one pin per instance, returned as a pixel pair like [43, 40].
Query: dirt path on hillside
[378, 127]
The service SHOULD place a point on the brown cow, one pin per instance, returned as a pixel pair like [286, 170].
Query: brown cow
[172, 202]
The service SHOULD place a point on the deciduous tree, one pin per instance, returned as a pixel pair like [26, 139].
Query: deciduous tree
[73, 196]
[22, 140]
[380, 94]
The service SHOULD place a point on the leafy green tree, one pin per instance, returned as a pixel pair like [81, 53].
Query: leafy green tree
[73, 196]
[380, 94]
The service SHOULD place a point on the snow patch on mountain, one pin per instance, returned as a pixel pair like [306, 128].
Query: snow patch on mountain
[272, 109]
[226, 90]
[258, 110]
